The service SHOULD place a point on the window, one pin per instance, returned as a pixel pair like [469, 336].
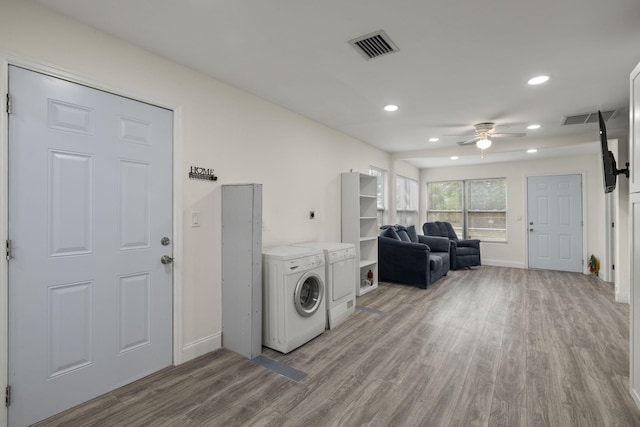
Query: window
[444, 203]
[381, 176]
[406, 201]
[487, 209]
[477, 209]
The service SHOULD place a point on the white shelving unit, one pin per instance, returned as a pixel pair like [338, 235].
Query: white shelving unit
[360, 225]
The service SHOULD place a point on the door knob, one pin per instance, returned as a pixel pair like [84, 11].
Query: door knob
[166, 259]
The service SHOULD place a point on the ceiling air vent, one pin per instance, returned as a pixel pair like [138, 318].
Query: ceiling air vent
[373, 45]
[580, 119]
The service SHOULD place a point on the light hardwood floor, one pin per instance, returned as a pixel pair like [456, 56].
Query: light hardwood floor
[487, 347]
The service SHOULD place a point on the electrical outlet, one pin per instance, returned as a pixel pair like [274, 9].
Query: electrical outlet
[312, 214]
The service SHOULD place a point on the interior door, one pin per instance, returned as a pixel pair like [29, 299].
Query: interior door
[554, 221]
[90, 199]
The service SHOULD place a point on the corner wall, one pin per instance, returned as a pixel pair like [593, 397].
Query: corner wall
[622, 231]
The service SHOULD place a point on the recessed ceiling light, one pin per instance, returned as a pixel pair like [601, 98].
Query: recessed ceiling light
[454, 157]
[532, 150]
[533, 127]
[538, 80]
[390, 108]
[434, 139]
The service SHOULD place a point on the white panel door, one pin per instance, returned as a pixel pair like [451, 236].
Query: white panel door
[634, 371]
[90, 198]
[554, 221]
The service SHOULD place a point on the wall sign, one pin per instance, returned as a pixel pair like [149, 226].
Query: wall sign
[197, 172]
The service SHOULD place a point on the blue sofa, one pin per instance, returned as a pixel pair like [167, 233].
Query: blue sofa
[464, 253]
[407, 258]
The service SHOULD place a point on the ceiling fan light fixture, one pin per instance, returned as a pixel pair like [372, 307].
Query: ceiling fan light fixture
[483, 144]
[538, 80]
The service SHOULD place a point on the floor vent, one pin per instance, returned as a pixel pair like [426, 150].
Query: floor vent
[374, 45]
[580, 119]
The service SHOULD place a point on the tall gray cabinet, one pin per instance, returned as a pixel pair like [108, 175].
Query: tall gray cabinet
[634, 215]
[242, 269]
[360, 226]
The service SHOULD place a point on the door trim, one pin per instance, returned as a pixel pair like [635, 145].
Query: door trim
[585, 218]
[7, 59]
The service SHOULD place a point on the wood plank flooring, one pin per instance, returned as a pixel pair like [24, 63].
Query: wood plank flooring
[486, 347]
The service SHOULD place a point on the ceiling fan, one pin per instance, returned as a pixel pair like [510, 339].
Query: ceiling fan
[486, 131]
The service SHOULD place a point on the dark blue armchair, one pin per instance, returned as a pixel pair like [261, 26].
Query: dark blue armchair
[464, 253]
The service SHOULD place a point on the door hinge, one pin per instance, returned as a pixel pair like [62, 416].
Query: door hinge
[7, 398]
[8, 247]
[8, 103]
[613, 225]
[613, 266]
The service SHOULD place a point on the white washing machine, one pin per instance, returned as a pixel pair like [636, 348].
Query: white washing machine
[293, 303]
[340, 271]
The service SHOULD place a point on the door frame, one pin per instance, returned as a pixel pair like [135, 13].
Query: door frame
[6, 60]
[585, 219]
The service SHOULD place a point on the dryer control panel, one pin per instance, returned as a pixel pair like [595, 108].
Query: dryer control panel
[339, 255]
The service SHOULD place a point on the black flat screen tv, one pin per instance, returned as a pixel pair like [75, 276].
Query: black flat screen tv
[609, 168]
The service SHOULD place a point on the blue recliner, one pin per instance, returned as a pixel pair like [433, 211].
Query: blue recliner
[464, 253]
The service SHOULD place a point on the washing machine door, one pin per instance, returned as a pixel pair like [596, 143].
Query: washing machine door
[308, 294]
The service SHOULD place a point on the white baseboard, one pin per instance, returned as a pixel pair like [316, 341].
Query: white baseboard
[201, 347]
[622, 297]
[498, 263]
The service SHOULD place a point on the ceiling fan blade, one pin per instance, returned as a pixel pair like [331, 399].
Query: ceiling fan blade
[469, 141]
[505, 135]
[460, 134]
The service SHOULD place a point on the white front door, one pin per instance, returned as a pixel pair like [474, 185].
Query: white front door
[90, 199]
[554, 222]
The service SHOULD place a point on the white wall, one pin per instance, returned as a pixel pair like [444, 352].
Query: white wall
[514, 252]
[407, 170]
[622, 261]
[242, 137]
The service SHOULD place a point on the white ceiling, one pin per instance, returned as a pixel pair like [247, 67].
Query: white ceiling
[460, 62]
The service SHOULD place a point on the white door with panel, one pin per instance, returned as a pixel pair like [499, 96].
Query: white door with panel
[90, 201]
[554, 222]
[634, 207]
[634, 371]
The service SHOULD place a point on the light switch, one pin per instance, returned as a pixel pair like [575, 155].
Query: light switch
[195, 219]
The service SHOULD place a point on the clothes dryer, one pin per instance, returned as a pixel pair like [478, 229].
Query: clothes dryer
[340, 272]
[293, 280]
